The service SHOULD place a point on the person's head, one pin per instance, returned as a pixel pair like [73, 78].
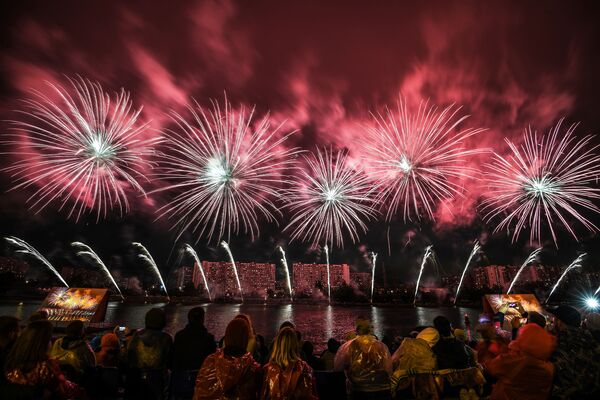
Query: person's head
[534, 341]
[156, 319]
[196, 316]
[9, 329]
[285, 348]
[442, 324]
[248, 320]
[333, 345]
[307, 348]
[237, 335]
[430, 335]
[460, 334]
[75, 330]
[363, 326]
[287, 324]
[110, 341]
[38, 316]
[31, 347]
[566, 316]
[534, 317]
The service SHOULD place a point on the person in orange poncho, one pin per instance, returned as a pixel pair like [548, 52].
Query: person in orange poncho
[231, 372]
[525, 372]
[286, 375]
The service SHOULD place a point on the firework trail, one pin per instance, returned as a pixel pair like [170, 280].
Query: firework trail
[428, 253]
[328, 273]
[575, 264]
[83, 250]
[85, 147]
[25, 248]
[528, 261]
[417, 158]
[235, 271]
[190, 250]
[373, 262]
[287, 271]
[597, 290]
[329, 198]
[147, 257]
[476, 248]
[546, 179]
[226, 169]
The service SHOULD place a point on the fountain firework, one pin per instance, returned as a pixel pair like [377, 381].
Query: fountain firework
[328, 273]
[373, 262]
[147, 257]
[83, 250]
[476, 248]
[287, 271]
[428, 253]
[25, 248]
[189, 249]
[235, 271]
[529, 259]
[575, 264]
[597, 290]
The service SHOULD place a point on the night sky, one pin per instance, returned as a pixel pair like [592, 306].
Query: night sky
[322, 67]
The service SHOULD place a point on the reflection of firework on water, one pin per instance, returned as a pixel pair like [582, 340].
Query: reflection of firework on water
[228, 171]
[548, 179]
[25, 248]
[328, 200]
[147, 258]
[84, 250]
[83, 147]
[575, 264]
[418, 158]
[527, 261]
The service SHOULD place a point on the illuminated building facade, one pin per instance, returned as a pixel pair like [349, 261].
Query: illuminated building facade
[256, 278]
[307, 276]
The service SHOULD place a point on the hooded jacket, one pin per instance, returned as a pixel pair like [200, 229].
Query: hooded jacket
[149, 349]
[226, 377]
[76, 353]
[296, 382]
[191, 347]
[524, 372]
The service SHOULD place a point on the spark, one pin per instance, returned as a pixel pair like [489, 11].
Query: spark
[328, 272]
[86, 147]
[25, 248]
[592, 303]
[597, 290]
[426, 256]
[476, 248]
[226, 169]
[328, 199]
[546, 180]
[287, 271]
[83, 250]
[147, 258]
[575, 264]
[373, 263]
[531, 258]
[190, 250]
[418, 158]
[235, 271]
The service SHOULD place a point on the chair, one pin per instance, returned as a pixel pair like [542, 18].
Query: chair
[331, 384]
[183, 384]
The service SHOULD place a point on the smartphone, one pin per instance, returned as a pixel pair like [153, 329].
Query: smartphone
[121, 329]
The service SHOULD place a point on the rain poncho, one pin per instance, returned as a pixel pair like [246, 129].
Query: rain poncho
[367, 363]
[227, 377]
[149, 349]
[75, 353]
[294, 383]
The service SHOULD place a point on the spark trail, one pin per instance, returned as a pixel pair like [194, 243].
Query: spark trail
[83, 250]
[528, 261]
[287, 271]
[190, 250]
[476, 248]
[575, 264]
[25, 248]
[373, 262]
[428, 253]
[328, 273]
[235, 271]
[147, 257]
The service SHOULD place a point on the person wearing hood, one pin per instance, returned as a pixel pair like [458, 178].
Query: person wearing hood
[286, 375]
[110, 347]
[73, 352]
[417, 353]
[367, 363]
[231, 372]
[525, 372]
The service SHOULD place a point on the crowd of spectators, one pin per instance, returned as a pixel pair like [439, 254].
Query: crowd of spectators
[538, 359]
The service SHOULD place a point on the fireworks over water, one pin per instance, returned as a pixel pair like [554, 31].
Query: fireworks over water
[84, 250]
[575, 264]
[287, 271]
[235, 270]
[527, 261]
[25, 248]
[426, 256]
[476, 248]
[190, 250]
[373, 263]
[147, 258]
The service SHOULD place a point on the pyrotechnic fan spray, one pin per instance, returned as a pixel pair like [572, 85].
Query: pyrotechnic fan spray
[575, 264]
[597, 290]
[190, 250]
[476, 248]
[25, 248]
[547, 179]
[228, 171]
[84, 147]
[147, 257]
[84, 250]
[287, 271]
[328, 273]
[328, 199]
[373, 263]
[235, 271]
[527, 261]
[418, 158]
[426, 256]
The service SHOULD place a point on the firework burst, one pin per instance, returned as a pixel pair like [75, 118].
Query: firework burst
[328, 199]
[546, 180]
[81, 146]
[418, 158]
[227, 169]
